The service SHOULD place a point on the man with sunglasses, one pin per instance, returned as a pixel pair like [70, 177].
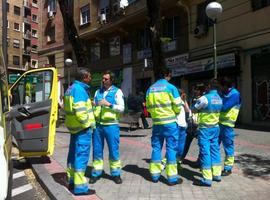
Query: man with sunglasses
[109, 103]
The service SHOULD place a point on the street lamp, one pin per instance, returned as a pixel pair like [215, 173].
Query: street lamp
[213, 10]
[68, 63]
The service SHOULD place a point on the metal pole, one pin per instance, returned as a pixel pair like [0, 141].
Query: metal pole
[69, 76]
[215, 49]
[4, 31]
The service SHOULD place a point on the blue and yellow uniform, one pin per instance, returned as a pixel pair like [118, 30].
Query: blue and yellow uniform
[163, 103]
[208, 107]
[80, 121]
[227, 119]
[107, 118]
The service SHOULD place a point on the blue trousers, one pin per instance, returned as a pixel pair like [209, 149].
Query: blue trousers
[77, 160]
[209, 151]
[111, 134]
[170, 133]
[226, 137]
[181, 142]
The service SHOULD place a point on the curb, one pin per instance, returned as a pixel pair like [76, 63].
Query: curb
[53, 190]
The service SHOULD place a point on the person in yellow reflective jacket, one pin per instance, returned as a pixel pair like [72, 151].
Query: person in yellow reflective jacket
[163, 102]
[109, 103]
[80, 122]
[208, 107]
[28, 91]
[228, 116]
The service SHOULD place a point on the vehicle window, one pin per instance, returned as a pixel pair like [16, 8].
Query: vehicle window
[31, 88]
[3, 86]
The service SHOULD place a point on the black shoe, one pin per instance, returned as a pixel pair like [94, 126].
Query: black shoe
[70, 187]
[93, 179]
[117, 179]
[226, 172]
[89, 192]
[200, 183]
[179, 181]
[155, 181]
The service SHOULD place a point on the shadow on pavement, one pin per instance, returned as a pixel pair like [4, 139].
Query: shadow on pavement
[61, 178]
[189, 174]
[254, 166]
[143, 172]
[39, 160]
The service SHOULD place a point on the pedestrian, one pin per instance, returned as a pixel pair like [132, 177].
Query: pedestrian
[228, 116]
[163, 103]
[109, 101]
[182, 123]
[192, 125]
[208, 107]
[79, 120]
[143, 109]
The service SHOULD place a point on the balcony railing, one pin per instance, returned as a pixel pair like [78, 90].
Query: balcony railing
[27, 35]
[26, 3]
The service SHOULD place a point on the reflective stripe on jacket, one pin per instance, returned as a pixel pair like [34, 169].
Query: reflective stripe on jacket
[209, 116]
[78, 108]
[163, 102]
[104, 114]
[230, 109]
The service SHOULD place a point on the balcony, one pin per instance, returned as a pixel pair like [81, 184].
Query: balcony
[27, 35]
[27, 19]
[27, 4]
[26, 51]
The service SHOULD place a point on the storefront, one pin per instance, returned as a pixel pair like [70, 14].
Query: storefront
[260, 64]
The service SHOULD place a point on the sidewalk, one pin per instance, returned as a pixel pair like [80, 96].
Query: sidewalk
[250, 179]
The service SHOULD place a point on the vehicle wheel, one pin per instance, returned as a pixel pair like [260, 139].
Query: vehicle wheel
[10, 179]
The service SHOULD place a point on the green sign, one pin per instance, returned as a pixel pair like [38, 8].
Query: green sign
[12, 78]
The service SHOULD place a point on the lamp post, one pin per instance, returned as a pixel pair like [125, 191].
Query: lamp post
[68, 63]
[213, 10]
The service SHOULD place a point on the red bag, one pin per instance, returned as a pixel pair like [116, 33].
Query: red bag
[145, 112]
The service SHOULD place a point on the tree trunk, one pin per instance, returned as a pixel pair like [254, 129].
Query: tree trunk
[154, 25]
[78, 46]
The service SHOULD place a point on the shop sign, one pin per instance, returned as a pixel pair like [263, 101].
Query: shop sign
[224, 61]
[170, 46]
[177, 64]
[145, 53]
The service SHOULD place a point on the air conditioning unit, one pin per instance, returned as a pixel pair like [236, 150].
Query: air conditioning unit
[200, 31]
[50, 14]
[103, 18]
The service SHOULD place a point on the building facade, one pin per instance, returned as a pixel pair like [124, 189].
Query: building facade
[116, 35]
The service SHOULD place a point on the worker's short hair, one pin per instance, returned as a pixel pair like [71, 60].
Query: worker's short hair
[214, 84]
[81, 73]
[225, 81]
[164, 72]
[112, 75]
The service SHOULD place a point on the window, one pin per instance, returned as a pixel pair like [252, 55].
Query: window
[34, 3]
[95, 52]
[114, 46]
[16, 43]
[34, 48]
[16, 60]
[51, 60]
[17, 10]
[85, 15]
[16, 26]
[52, 5]
[143, 41]
[34, 18]
[8, 39]
[34, 33]
[51, 35]
[7, 24]
[258, 4]
[171, 27]
[32, 88]
[34, 63]
[7, 7]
